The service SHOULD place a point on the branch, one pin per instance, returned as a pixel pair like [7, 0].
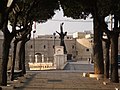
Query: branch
[21, 30]
[108, 32]
[22, 35]
[57, 32]
[65, 33]
[27, 13]
[106, 40]
[5, 23]
[11, 6]
[28, 37]
[15, 22]
[105, 29]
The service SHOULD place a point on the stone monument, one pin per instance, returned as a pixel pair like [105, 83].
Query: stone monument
[60, 58]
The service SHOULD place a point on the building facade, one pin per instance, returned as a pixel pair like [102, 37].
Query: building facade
[43, 46]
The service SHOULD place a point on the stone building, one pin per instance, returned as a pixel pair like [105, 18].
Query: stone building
[78, 48]
[84, 41]
[84, 49]
[44, 46]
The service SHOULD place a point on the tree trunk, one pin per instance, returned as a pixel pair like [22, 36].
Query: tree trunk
[20, 61]
[6, 46]
[22, 57]
[106, 59]
[13, 64]
[114, 58]
[7, 40]
[97, 47]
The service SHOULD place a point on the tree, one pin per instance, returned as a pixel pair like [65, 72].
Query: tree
[114, 53]
[80, 9]
[114, 41]
[21, 34]
[22, 52]
[114, 35]
[106, 54]
[8, 36]
[25, 20]
[44, 10]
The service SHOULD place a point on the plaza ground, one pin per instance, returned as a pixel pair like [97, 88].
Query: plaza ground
[70, 79]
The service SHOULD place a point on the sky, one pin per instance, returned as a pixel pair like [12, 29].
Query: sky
[70, 25]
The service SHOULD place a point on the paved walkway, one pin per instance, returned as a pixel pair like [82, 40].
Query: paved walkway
[70, 79]
[80, 66]
[62, 80]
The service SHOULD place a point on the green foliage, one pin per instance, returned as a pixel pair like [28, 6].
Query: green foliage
[104, 7]
[3, 6]
[43, 10]
[116, 8]
[75, 8]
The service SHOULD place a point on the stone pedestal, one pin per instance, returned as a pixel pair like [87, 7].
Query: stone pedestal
[60, 61]
[60, 58]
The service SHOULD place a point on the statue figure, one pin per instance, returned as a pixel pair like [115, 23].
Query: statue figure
[62, 35]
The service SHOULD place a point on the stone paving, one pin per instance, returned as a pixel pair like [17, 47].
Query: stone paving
[70, 79]
[62, 80]
[79, 67]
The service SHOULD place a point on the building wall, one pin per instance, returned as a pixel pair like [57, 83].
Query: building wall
[44, 45]
[84, 49]
[80, 49]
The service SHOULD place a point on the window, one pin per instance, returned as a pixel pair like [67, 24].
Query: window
[87, 50]
[67, 37]
[31, 46]
[53, 46]
[44, 47]
[72, 46]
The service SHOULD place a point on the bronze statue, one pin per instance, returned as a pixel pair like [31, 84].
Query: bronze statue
[62, 35]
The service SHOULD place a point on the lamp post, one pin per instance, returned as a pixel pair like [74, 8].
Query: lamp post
[34, 41]
[54, 41]
[34, 46]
